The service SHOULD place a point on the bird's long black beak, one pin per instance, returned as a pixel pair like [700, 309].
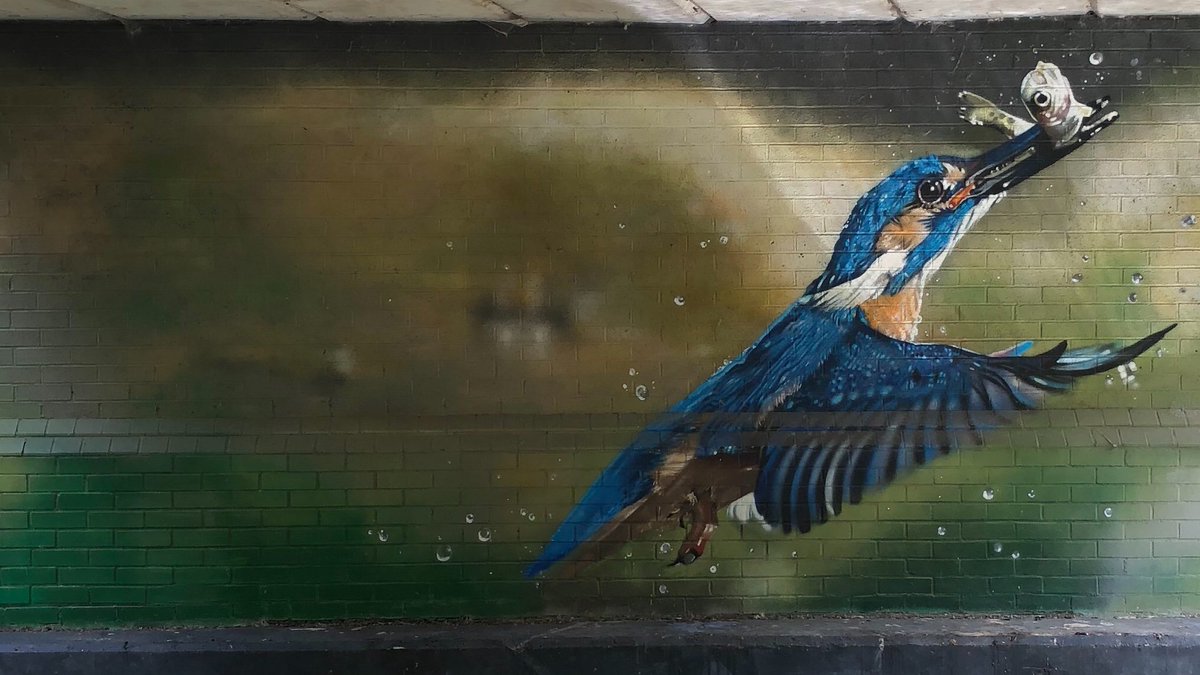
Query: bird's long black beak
[1006, 165]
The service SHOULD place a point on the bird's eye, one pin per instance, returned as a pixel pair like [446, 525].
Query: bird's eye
[1041, 99]
[931, 191]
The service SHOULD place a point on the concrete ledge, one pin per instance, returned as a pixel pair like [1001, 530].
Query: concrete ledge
[829, 646]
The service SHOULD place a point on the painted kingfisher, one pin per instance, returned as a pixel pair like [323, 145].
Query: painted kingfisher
[836, 398]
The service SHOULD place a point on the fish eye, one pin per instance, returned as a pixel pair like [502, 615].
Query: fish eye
[930, 191]
[1041, 99]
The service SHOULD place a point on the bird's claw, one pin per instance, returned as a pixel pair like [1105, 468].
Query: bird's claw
[688, 554]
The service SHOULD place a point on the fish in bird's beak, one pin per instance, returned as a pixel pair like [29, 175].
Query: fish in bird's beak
[1048, 97]
[1003, 167]
[1063, 124]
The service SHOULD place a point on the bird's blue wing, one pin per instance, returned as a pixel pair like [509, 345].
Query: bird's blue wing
[794, 345]
[887, 405]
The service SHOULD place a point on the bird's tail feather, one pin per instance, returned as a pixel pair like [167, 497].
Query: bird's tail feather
[609, 501]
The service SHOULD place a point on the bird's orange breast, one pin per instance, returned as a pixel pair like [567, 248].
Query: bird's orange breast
[896, 315]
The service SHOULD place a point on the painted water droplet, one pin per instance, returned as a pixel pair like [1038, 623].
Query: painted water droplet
[1132, 297]
[941, 531]
[989, 494]
[679, 301]
[1188, 220]
[942, 330]
[795, 554]
[724, 240]
[1136, 278]
[1016, 555]
[1108, 512]
[1108, 379]
[640, 392]
[484, 535]
[1134, 61]
[1096, 58]
[449, 244]
[632, 372]
[998, 547]
[1031, 494]
[1138, 76]
[664, 548]
[532, 517]
[524, 513]
[1086, 258]
[620, 226]
[444, 553]
[704, 244]
[1076, 278]
[470, 518]
[1159, 352]
[383, 536]
[712, 569]
[662, 589]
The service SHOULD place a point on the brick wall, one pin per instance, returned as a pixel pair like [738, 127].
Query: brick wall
[311, 322]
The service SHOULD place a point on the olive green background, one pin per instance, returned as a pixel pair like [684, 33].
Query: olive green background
[318, 322]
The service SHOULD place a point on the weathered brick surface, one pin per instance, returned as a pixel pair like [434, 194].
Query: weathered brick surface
[309, 322]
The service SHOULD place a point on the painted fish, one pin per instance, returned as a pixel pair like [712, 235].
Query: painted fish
[981, 112]
[1047, 95]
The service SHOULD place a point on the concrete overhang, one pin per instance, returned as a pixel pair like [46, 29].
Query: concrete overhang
[587, 11]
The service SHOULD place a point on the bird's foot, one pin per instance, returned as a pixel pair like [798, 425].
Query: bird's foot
[704, 523]
[689, 552]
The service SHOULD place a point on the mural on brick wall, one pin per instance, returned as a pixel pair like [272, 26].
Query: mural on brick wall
[345, 322]
[836, 398]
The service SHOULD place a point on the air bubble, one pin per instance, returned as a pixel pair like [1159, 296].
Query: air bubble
[941, 531]
[1016, 555]
[383, 536]
[1132, 297]
[1134, 61]
[1188, 220]
[1108, 512]
[640, 392]
[632, 372]
[484, 535]
[444, 553]
[1086, 258]
[1076, 278]
[1159, 352]
[724, 240]
[1108, 379]
[470, 518]
[620, 226]
[679, 301]
[1096, 58]
[532, 517]
[662, 589]
[997, 547]
[1136, 278]
[449, 244]
[1138, 76]
[712, 569]
[704, 244]
[1031, 494]
[664, 548]
[989, 494]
